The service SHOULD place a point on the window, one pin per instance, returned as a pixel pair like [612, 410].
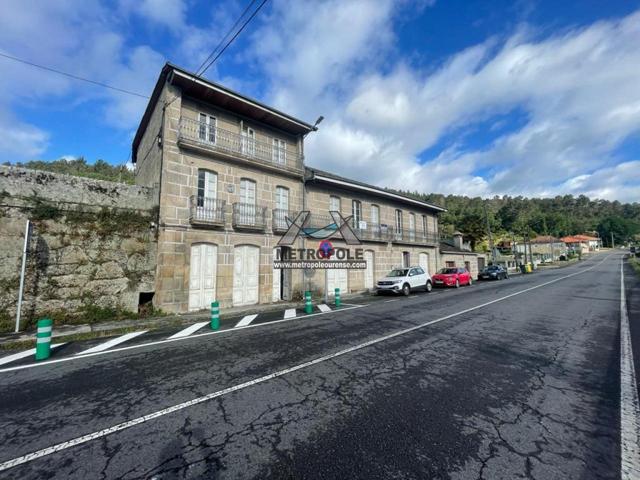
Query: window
[334, 203]
[207, 187]
[424, 224]
[207, 128]
[399, 224]
[412, 226]
[356, 211]
[375, 215]
[247, 191]
[406, 259]
[467, 265]
[282, 207]
[279, 151]
[248, 141]
[450, 264]
[246, 211]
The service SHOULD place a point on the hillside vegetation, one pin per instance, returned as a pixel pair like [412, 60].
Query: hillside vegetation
[100, 170]
[559, 216]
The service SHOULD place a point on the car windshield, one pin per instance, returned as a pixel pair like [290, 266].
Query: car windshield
[398, 273]
[448, 270]
[491, 268]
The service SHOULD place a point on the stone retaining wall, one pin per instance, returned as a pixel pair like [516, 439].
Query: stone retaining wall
[92, 246]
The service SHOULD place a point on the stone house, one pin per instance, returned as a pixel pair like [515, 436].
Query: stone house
[455, 253]
[230, 176]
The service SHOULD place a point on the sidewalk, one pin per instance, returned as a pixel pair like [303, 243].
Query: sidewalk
[167, 320]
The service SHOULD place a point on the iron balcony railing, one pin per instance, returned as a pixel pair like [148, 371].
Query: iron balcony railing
[206, 210]
[279, 219]
[236, 144]
[247, 215]
[414, 236]
[372, 231]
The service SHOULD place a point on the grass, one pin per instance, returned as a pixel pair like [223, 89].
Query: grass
[635, 264]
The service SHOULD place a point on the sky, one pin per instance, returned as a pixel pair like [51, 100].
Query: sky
[473, 97]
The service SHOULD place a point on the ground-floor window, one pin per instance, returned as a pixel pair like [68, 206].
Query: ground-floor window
[406, 259]
[450, 264]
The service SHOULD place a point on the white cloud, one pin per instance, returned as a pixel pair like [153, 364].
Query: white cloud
[20, 141]
[579, 91]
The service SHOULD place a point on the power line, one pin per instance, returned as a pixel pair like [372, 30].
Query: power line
[233, 38]
[249, 5]
[75, 77]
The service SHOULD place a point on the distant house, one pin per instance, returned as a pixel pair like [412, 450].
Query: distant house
[454, 252]
[547, 248]
[576, 245]
[593, 243]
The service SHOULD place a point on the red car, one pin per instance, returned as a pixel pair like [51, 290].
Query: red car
[452, 277]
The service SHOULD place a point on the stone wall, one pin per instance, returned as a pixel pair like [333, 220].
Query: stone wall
[92, 246]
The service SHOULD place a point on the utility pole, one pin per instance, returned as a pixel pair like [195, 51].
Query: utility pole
[514, 251]
[612, 243]
[486, 217]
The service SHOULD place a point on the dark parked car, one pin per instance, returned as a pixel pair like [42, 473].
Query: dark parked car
[493, 272]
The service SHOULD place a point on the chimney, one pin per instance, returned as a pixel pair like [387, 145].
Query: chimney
[457, 240]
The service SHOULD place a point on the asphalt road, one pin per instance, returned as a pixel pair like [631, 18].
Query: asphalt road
[525, 387]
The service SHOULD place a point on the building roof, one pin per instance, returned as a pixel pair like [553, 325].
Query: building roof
[220, 95]
[446, 247]
[586, 238]
[572, 239]
[314, 174]
[545, 239]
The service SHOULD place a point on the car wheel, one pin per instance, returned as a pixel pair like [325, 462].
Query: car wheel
[457, 283]
[428, 287]
[406, 290]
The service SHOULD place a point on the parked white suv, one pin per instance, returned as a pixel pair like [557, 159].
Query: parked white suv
[403, 280]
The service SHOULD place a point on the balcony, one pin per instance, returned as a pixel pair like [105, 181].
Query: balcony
[202, 136]
[373, 232]
[206, 211]
[247, 216]
[279, 220]
[414, 237]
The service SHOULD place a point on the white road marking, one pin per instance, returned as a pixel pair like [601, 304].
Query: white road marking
[189, 330]
[290, 313]
[168, 340]
[246, 321]
[629, 404]
[137, 421]
[112, 343]
[25, 354]
[324, 308]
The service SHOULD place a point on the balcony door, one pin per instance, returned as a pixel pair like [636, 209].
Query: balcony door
[375, 221]
[207, 193]
[279, 151]
[248, 141]
[207, 128]
[399, 224]
[282, 207]
[247, 206]
[412, 226]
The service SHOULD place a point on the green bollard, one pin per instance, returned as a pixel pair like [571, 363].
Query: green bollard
[308, 307]
[337, 292]
[215, 315]
[43, 339]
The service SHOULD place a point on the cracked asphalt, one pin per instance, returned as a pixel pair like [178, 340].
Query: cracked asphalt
[527, 387]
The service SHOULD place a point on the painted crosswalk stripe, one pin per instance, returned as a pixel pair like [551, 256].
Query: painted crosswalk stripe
[324, 308]
[246, 321]
[290, 313]
[113, 342]
[189, 330]
[25, 354]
